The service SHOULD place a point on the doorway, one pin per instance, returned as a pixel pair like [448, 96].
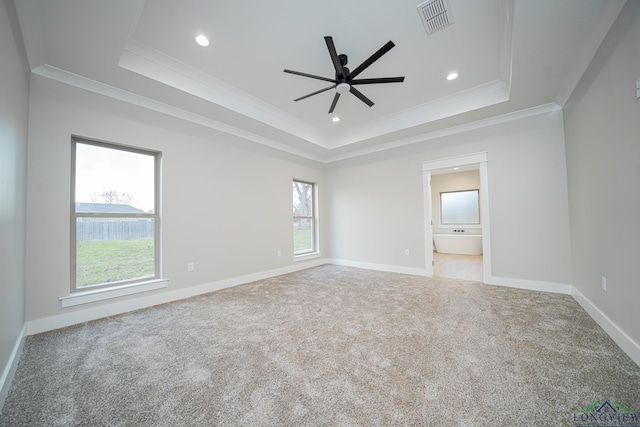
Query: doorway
[455, 266]
[470, 264]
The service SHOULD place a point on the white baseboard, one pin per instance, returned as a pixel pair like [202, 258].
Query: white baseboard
[380, 267]
[532, 285]
[80, 316]
[624, 341]
[11, 366]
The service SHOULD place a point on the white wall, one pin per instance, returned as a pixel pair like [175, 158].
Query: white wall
[14, 95]
[376, 212]
[377, 200]
[226, 203]
[602, 130]
[460, 181]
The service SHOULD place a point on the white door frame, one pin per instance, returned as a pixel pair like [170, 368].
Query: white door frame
[450, 162]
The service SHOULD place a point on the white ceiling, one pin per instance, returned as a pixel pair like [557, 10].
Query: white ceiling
[513, 57]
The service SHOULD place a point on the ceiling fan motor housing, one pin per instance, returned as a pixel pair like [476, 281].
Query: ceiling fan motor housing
[342, 77]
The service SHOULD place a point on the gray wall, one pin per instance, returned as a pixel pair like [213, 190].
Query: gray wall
[377, 200]
[14, 95]
[602, 131]
[226, 203]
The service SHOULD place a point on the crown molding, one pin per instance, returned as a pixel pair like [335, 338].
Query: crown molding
[477, 97]
[153, 64]
[84, 83]
[94, 86]
[478, 124]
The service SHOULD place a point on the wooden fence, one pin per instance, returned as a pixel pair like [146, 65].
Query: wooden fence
[114, 230]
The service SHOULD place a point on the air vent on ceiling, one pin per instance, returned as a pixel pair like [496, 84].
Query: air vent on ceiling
[435, 15]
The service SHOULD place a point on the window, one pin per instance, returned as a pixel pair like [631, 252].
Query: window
[114, 215]
[459, 207]
[304, 220]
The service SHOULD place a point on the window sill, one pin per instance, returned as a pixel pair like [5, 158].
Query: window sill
[306, 256]
[86, 297]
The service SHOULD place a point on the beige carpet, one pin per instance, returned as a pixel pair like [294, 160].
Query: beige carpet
[328, 346]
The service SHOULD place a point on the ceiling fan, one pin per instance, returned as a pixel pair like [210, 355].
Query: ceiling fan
[345, 80]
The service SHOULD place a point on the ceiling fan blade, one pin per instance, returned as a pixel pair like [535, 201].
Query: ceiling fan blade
[334, 56]
[378, 80]
[373, 58]
[298, 73]
[362, 98]
[335, 101]
[315, 93]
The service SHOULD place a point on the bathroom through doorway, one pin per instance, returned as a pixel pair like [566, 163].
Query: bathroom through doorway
[457, 217]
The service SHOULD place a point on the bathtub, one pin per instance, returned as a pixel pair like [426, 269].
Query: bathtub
[462, 244]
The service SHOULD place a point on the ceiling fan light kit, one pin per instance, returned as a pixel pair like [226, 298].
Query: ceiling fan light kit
[343, 88]
[345, 80]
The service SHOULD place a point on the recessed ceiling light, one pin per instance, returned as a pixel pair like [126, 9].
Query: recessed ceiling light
[455, 169]
[202, 40]
[452, 76]
[335, 119]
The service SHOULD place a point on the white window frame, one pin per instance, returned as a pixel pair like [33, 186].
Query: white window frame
[127, 283]
[313, 251]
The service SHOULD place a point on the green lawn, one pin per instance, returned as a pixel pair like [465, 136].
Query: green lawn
[301, 240]
[103, 261]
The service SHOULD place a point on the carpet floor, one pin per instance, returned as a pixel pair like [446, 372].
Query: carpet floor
[329, 346]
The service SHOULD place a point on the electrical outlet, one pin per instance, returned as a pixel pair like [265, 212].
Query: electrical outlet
[191, 266]
[407, 252]
[279, 253]
[604, 284]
